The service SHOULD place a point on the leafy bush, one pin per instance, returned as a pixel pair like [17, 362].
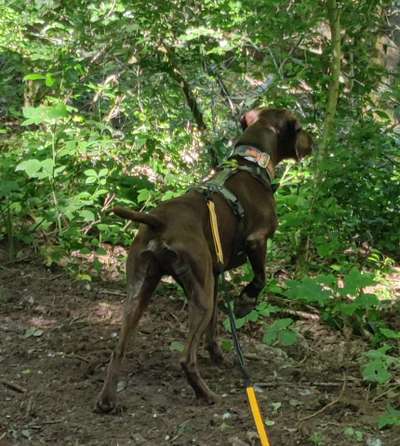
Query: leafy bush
[346, 305]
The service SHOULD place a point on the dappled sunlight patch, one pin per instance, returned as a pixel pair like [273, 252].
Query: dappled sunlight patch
[105, 312]
[147, 171]
[106, 262]
[389, 287]
[41, 322]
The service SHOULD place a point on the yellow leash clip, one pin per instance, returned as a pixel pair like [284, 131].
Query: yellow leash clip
[251, 394]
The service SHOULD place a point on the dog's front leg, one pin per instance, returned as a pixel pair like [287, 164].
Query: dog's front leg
[256, 252]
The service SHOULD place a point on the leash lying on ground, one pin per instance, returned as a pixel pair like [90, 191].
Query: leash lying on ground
[251, 395]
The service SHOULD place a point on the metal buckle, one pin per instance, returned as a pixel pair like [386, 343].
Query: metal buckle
[263, 159]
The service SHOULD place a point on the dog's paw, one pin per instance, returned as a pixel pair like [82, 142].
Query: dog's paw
[210, 398]
[245, 304]
[216, 355]
[105, 405]
[243, 309]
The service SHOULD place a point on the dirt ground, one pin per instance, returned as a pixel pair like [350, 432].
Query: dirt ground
[55, 339]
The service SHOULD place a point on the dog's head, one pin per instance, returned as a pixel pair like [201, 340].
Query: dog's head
[292, 140]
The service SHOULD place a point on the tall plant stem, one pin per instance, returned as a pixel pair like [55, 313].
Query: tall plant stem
[328, 133]
[52, 179]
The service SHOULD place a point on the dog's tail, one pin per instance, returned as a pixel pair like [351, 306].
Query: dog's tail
[140, 217]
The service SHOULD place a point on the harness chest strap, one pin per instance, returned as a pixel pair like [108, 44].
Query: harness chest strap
[258, 169]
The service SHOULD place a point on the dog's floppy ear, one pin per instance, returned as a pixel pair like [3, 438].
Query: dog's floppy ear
[293, 126]
[302, 139]
[249, 119]
[304, 144]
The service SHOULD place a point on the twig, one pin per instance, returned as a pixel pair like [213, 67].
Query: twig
[21, 260]
[39, 426]
[29, 407]
[377, 397]
[110, 12]
[13, 386]
[332, 403]
[113, 293]
[283, 63]
[107, 203]
[60, 420]
[79, 358]
[300, 314]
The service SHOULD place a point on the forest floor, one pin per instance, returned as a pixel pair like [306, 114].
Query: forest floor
[56, 336]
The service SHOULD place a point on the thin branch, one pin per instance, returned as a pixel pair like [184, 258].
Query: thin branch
[327, 406]
[13, 386]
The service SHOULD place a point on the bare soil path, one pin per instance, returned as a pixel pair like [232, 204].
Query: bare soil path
[56, 337]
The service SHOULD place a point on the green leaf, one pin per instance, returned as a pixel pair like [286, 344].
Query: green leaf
[367, 301]
[33, 115]
[308, 290]
[350, 433]
[87, 215]
[226, 345]
[90, 173]
[265, 309]
[57, 111]
[34, 77]
[103, 172]
[355, 281]
[346, 309]
[33, 331]
[8, 187]
[44, 113]
[144, 195]
[31, 167]
[47, 167]
[49, 80]
[280, 332]
[252, 316]
[288, 338]
[376, 371]
[390, 418]
[327, 279]
[390, 334]
[282, 324]
[176, 346]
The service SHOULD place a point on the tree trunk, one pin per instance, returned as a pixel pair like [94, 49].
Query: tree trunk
[335, 66]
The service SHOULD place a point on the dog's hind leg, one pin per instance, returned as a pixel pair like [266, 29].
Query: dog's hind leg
[213, 348]
[143, 277]
[198, 283]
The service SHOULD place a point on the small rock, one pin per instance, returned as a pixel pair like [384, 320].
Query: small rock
[138, 439]
[236, 441]
[253, 437]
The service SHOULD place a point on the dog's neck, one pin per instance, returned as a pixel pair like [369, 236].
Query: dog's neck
[263, 139]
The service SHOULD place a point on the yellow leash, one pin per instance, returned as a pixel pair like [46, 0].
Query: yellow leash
[215, 231]
[251, 394]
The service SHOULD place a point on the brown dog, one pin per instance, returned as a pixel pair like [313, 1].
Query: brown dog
[176, 240]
